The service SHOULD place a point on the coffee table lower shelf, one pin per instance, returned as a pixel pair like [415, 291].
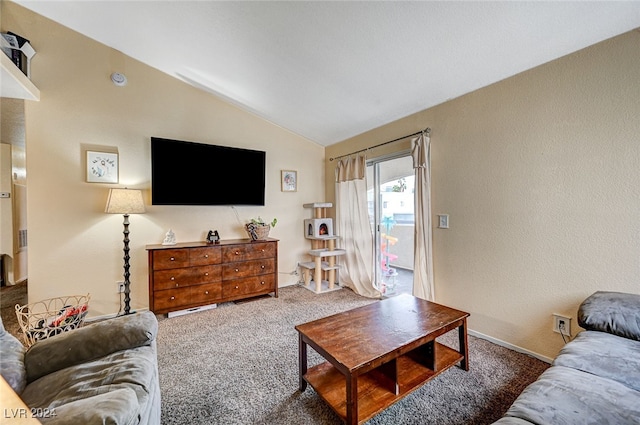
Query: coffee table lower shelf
[377, 389]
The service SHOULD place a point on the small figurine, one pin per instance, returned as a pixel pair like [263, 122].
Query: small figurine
[170, 238]
[213, 236]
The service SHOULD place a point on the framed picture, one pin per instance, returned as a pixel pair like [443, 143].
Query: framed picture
[102, 167]
[289, 180]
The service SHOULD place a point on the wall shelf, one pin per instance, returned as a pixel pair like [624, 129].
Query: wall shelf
[15, 84]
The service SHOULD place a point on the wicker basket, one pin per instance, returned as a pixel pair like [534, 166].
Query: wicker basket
[44, 319]
[258, 232]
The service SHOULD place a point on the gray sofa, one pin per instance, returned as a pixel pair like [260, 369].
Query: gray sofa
[596, 377]
[102, 373]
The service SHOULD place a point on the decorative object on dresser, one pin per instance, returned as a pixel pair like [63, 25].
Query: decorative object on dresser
[259, 230]
[169, 238]
[213, 236]
[194, 275]
[319, 230]
[125, 201]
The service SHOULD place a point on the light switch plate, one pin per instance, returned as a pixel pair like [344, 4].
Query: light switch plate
[443, 221]
[5, 195]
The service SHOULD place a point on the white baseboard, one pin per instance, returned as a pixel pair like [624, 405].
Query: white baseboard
[510, 346]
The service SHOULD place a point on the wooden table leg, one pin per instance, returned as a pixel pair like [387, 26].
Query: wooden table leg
[464, 345]
[302, 362]
[352, 400]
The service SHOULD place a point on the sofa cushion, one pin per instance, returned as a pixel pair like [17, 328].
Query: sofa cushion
[116, 407]
[12, 360]
[614, 312]
[605, 355]
[115, 387]
[563, 395]
[90, 342]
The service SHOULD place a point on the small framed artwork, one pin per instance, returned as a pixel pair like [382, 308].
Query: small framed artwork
[289, 181]
[102, 167]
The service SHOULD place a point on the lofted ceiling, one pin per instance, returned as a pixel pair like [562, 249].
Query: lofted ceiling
[332, 70]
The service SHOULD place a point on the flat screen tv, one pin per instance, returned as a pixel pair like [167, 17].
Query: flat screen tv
[189, 173]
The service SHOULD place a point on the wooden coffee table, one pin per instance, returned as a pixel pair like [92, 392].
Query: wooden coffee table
[379, 353]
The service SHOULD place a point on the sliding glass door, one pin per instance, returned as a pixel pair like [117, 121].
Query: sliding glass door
[390, 197]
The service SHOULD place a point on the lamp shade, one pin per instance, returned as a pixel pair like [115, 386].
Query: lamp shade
[125, 201]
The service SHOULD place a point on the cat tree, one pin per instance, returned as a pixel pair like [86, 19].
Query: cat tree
[319, 230]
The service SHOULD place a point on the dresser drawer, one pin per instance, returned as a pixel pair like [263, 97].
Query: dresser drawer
[178, 278]
[251, 285]
[250, 251]
[205, 256]
[170, 258]
[172, 299]
[209, 293]
[247, 268]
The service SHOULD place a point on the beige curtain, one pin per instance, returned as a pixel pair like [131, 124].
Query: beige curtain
[352, 225]
[423, 286]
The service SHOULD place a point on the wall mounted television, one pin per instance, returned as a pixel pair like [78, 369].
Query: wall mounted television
[190, 173]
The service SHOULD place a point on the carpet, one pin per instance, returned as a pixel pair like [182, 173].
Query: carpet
[238, 364]
[9, 297]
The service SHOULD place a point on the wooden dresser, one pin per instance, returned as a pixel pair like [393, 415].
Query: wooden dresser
[194, 274]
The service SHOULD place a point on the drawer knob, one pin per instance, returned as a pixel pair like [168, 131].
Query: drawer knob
[237, 270]
[262, 283]
[237, 287]
[173, 298]
[237, 252]
[177, 284]
[206, 292]
[206, 255]
[262, 250]
[173, 259]
[173, 278]
[206, 274]
[262, 267]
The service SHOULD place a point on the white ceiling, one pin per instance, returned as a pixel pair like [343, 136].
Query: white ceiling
[332, 70]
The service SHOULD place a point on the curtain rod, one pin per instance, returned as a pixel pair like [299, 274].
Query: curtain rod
[426, 130]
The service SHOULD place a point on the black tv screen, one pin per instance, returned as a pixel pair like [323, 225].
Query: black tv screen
[188, 173]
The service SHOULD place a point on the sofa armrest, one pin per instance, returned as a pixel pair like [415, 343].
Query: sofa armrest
[90, 342]
[616, 313]
[12, 360]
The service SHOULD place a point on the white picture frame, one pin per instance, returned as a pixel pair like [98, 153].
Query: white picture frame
[289, 180]
[102, 167]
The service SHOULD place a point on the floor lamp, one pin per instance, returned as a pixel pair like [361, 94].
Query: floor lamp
[125, 201]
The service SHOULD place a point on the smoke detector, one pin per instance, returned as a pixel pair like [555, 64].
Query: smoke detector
[119, 79]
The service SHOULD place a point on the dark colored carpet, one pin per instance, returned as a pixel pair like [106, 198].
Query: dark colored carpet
[9, 297]
[238, 364]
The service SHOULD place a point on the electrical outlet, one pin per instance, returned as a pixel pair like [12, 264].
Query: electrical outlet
[120, 286]
[562, 324]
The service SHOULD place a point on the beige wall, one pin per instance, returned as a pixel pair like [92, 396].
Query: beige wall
[6, 212]
[540, 175]
[74, 247]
